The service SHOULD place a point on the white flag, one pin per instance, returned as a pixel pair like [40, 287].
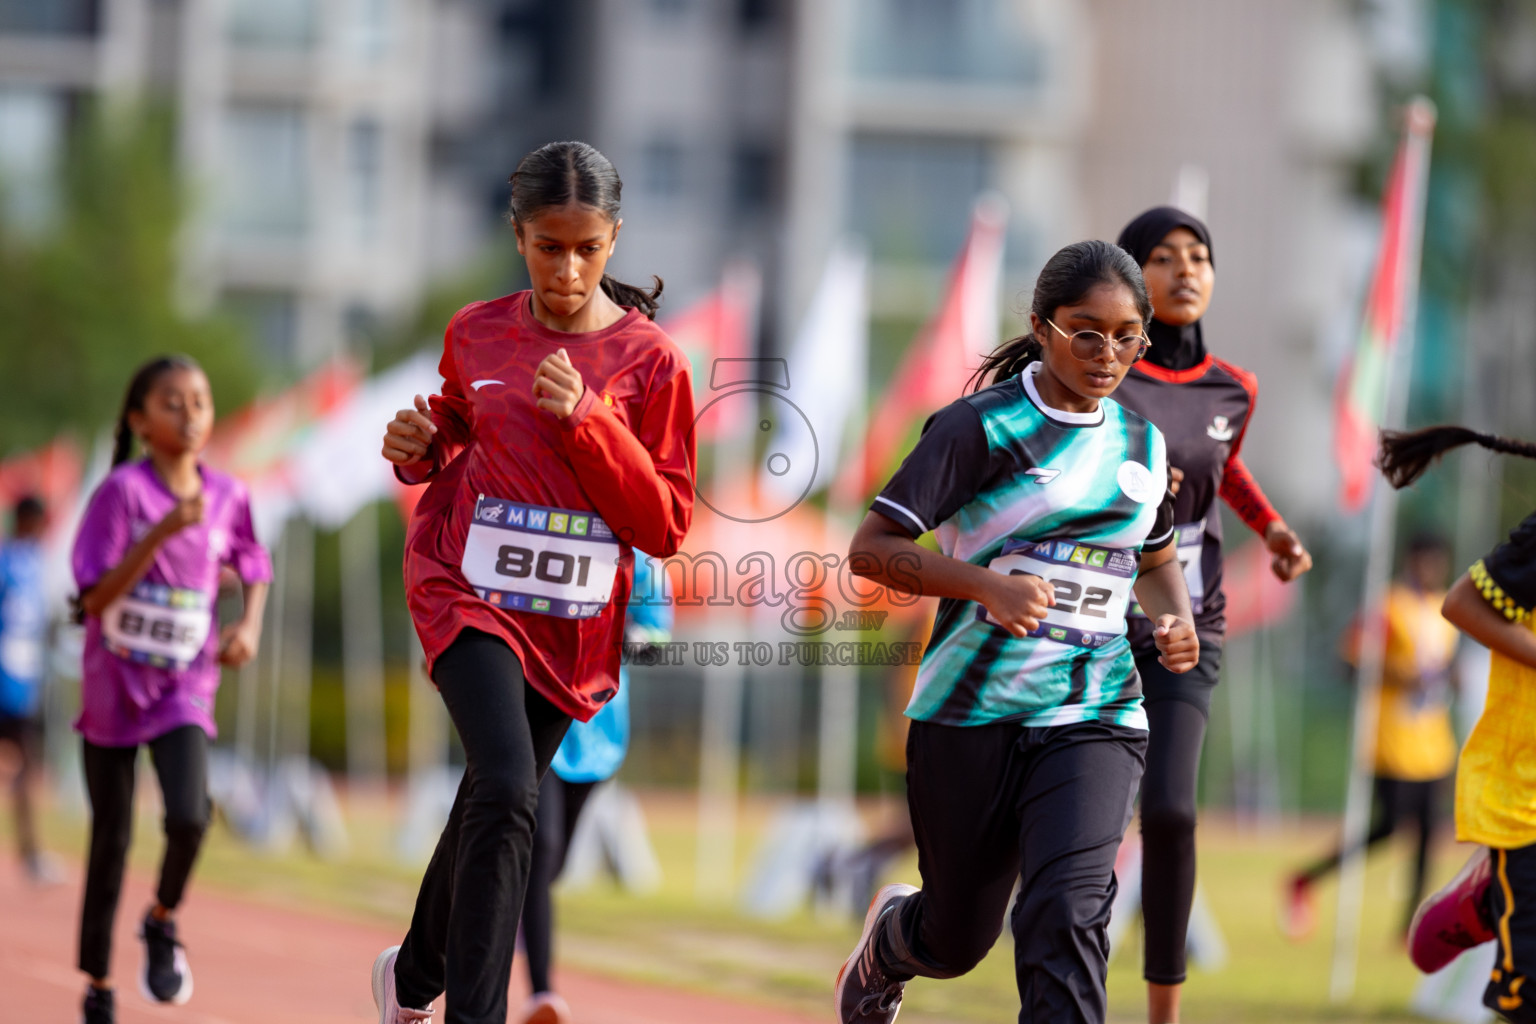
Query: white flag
[827, 373]
[339, 465]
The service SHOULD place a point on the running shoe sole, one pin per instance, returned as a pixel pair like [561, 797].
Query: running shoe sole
[876, 907]
[1297, 916]
[382, 965]
[1431, 952]
[548, 1013]
[182, 995]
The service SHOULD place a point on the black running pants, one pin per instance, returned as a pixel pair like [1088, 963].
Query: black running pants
[995, 804]
[181, 764]
[464, 928]
[560, 805]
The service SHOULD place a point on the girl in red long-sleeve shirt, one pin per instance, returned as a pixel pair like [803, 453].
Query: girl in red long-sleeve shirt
[562, 439]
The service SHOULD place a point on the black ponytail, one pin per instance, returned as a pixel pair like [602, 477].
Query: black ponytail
[1405, 455]
[1064, 280]
[629, 295]
[144, 379]
[561, 173]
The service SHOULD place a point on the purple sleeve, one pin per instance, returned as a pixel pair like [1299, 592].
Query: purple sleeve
[246, 554]
[104, 536]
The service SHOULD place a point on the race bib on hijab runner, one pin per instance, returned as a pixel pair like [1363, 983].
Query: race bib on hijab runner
[1092, 584]
[1189, 541]
[158, 625]
[531, 558]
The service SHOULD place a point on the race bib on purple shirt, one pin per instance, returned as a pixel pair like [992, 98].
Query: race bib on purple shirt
[158, 625]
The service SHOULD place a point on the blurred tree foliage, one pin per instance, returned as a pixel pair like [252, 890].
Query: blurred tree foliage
[92, 294]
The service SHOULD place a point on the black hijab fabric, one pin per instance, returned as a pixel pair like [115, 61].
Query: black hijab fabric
[1173, 348]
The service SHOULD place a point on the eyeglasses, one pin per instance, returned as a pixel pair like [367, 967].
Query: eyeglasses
[1128, 348]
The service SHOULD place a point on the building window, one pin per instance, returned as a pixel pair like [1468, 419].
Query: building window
[365, 178]
[32, 129]
[661, 168]
[963, 40]
[264, 181]
[911, 197]
[752, 178]
[273, 24]
[50, 17]
[272, 320]
[756, 15]
[367, 30]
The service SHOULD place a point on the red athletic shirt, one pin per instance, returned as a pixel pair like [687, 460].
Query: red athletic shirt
[626, 453]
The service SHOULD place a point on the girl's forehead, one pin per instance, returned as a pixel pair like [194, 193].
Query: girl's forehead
[570, 219]
[1180, 237]
[180, 379]
[1105, 300]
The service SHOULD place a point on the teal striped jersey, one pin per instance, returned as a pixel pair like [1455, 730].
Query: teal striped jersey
[1006, 482]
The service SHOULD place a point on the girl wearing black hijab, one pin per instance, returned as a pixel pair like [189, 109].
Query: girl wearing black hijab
[1203, 406]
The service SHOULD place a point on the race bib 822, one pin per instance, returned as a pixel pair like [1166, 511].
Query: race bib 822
[1092, 587]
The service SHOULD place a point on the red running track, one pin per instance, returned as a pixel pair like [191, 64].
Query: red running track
[258, 963]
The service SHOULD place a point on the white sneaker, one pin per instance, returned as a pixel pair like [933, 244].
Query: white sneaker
[546, 1008]
[390, 1010]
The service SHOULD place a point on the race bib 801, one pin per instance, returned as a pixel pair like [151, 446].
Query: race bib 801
[1092, 584]
[158, 625]
[533, 558]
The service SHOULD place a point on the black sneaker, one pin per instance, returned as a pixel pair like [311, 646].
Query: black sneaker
[865, 994]
[98, 1007]
[167, 978]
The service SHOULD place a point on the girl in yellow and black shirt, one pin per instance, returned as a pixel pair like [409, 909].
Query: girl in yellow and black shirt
[1494, 894]
[1415, 746]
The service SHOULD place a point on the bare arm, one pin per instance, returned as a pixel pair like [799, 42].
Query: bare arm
[1164, 596]
[119, 579]
[239, 640]
[1465, 609]
[884, 551]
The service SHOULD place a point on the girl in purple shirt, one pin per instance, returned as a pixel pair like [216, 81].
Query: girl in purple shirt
[152, 544]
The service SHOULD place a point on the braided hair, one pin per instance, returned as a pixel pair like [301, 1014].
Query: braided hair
[1405, 455]
[560, 173]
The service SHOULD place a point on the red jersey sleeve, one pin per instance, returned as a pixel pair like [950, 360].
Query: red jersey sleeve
[451, 413]
[640, 481]
[1238, 487]
[1242, 492]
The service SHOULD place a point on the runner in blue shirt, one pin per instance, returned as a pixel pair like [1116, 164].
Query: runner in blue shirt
[23, 643]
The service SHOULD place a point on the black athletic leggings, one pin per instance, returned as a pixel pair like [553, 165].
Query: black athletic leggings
[1395, 803]
[560, 805]
[1177, 709]
[26, 735]
[464, 928]
[181, 764]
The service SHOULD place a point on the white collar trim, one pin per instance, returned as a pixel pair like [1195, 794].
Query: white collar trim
[1076, 419]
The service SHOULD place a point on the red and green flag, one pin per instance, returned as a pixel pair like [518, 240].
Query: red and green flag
[934, 371]
[1361, 401]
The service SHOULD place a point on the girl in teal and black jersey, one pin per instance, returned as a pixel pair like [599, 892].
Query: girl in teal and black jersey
[1050, 505]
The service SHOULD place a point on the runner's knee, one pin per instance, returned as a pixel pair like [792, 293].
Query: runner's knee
[1167, 820]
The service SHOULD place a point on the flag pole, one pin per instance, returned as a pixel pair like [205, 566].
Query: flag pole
[1420, 121]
